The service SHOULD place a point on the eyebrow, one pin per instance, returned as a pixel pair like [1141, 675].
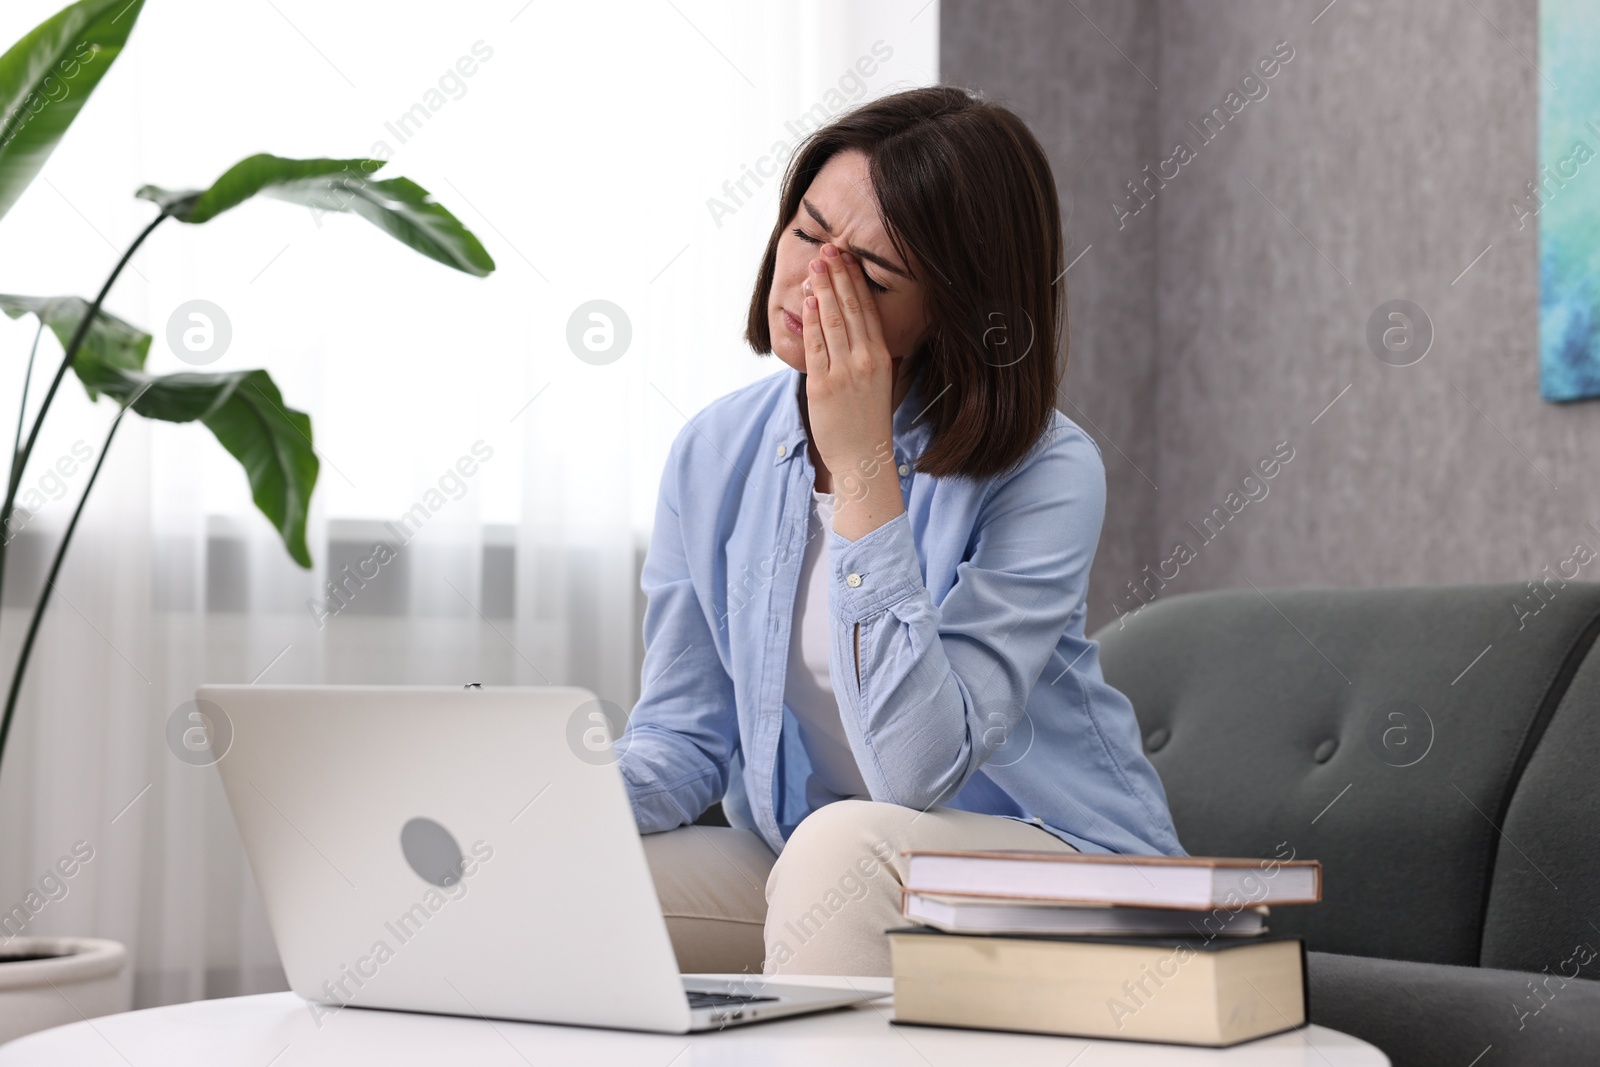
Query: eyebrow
[871, 257]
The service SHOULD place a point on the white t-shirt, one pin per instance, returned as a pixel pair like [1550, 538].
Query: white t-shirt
[808, 687]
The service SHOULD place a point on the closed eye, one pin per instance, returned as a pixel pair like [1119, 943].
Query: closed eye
[874, 286]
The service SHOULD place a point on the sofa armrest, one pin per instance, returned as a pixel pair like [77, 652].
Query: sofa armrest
[1422, 1014]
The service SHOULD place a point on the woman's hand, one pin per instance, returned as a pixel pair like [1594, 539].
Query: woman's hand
[850, 381]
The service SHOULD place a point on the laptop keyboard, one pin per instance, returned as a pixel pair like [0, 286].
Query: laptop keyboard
[719, 1000]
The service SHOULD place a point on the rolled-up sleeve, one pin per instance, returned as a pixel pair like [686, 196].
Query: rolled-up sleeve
[683, 731]
[942, 686]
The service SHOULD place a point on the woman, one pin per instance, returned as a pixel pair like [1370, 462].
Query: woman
[867, 577]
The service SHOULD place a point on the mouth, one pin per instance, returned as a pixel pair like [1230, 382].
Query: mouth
[796, 327]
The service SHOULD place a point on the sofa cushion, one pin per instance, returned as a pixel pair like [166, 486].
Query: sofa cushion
[1544, 900]
[1430, 1015]
[1377, 730]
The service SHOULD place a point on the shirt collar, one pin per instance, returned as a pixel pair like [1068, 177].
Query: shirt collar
[912, 427]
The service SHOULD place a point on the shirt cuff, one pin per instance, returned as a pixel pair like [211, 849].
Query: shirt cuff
[873, 571]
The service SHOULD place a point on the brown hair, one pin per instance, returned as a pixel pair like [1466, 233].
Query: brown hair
[965, 185]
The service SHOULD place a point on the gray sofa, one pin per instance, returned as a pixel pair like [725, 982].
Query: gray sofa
[1438, 749]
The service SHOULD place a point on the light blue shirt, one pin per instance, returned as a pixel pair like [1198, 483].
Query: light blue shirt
[978, 689]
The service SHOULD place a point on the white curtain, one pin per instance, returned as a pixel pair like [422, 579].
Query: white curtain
[585, 148]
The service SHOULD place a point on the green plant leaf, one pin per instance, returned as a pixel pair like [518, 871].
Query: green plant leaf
[246, 413]
[110, 342]
[398, 206]
[242, 408]
[260, 173]
[46, 77]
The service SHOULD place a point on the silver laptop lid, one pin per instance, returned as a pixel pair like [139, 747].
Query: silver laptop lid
[447, 850]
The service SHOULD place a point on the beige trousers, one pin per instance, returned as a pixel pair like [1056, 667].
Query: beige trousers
[822, 906]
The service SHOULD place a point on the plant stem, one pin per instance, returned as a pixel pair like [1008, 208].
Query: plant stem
[50, 580]
[19, 461]
[22, 414]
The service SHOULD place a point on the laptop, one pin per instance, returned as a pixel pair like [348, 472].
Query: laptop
[460, 851]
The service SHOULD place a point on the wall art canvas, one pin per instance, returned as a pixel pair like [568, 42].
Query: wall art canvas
[1564, 199]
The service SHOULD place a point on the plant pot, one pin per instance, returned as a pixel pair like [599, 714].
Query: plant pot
[52, 981]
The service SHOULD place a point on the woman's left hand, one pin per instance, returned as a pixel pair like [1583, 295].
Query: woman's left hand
[849, 373]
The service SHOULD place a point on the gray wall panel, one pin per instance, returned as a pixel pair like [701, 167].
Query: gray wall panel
[1094, 113]
[1378, 166]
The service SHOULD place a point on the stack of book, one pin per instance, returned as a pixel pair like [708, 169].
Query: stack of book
[1142, 948]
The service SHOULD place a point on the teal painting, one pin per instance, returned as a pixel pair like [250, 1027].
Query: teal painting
[1565, 198]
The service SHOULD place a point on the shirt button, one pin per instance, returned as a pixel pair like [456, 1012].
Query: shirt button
[783, 450]
[904, 469]
[852, 580]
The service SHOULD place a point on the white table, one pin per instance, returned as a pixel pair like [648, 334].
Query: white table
[277, 1029]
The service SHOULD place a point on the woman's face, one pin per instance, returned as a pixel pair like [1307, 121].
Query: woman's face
[840, 208]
